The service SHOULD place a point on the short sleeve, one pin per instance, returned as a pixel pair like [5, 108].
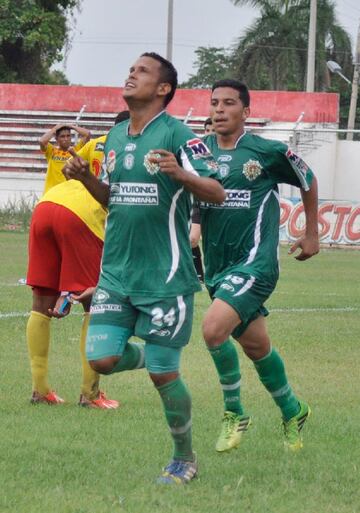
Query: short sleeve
[48, 151]
[193, 154]
[287, 167]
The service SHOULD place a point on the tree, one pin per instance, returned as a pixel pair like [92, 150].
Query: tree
[33, 34]
[212, 64]
[272, 54]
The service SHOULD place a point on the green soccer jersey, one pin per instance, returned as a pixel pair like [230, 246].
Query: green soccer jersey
[147, 250]
[242, 234]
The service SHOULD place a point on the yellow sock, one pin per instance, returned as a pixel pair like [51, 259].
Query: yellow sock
[38, 341]
[90, 378]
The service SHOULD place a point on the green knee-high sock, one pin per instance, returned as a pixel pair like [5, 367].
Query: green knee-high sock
[176, 400]
[226, 361]
[272, 375]
[132, 358]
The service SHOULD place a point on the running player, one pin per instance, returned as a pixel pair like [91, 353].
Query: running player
[240, 242]
[147, 281]
[65, 247]
[56, 156]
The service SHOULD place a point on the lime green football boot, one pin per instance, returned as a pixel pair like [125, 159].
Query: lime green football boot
[233, 426]
[292, 428]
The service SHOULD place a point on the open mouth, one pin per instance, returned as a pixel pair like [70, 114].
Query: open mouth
[129, 85]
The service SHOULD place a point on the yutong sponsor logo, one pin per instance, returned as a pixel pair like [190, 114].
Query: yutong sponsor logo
[235, 198]
[134, 193]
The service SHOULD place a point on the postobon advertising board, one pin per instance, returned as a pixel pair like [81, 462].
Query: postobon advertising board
[339, 221]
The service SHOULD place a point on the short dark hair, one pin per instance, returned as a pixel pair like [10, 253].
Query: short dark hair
[238, 86]
[122, 116]
[59, 130]
[208, 121]
[168, 74]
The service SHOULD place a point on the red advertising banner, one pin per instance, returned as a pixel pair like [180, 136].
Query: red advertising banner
[339, 221]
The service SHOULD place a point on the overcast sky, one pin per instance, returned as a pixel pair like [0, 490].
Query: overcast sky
[111, 34]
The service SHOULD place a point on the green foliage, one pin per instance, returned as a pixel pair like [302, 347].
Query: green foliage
[277, 45]
[212, 64]
[33, 34]
[15, 215]
[66, 459]
[272, 53]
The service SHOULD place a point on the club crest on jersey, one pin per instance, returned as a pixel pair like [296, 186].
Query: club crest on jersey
[129, 160]
[252, 169]
[212, 165]
[130, 147]
[151, 167]
[111, 161]
[224, 170]
[100, 296]
[198, 148]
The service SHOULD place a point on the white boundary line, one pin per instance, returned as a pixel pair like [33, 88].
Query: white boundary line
[8, 315]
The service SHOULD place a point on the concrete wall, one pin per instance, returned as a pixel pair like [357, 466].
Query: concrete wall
[336, 164]
[285, 106]
[15, 188]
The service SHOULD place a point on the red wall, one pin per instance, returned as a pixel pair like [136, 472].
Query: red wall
[275, 105]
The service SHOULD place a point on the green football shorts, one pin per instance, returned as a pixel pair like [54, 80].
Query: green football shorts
[164, 321]
[245, 294]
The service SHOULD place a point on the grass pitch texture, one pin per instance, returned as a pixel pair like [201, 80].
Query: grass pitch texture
[67, 459]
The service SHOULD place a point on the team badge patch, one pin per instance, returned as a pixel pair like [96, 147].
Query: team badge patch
[100, 296]
[198, 148]
[111, 161]
[151, 168]
[99, 146]
[129, 160]
[212, 165]
[252, 169]
[224, 170]
[297, 162]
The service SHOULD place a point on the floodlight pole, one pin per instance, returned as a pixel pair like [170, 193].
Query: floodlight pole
[354, 90]
[170, 24]
[310, 75]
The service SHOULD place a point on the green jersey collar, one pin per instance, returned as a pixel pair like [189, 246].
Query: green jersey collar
[147, 124]
[235, 145]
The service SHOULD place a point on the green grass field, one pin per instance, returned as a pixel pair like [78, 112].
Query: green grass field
[70, 460]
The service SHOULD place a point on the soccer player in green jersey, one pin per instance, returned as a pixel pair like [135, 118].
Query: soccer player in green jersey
[152, 166]
[240, 242]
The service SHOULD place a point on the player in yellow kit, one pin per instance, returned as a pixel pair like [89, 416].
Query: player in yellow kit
[56, 156]
[65, 247]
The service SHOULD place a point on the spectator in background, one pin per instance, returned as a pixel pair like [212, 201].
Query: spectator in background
[56, 156]
[208, 127]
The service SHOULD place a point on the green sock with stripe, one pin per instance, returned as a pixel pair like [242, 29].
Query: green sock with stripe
[176, 401]
[226, 361]
[272, 375]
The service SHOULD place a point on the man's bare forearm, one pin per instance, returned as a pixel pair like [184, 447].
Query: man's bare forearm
[310, 202]
[206, 189]
[100, 191]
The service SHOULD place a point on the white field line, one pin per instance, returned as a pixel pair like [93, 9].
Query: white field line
[276, 292]
[7, 315]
